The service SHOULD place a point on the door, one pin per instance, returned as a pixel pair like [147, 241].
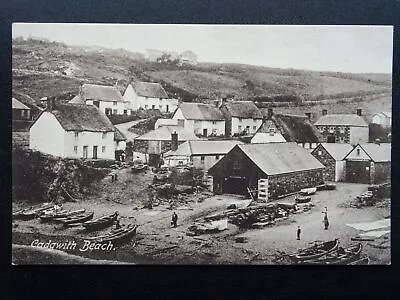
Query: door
[85, 151]
[167, 109]
[95, 152]
[205, 132]
[358, 171]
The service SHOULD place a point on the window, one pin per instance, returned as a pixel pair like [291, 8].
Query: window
[240, 120]
[202, 158]
[237, 164]
[180, 163]
[76, 134]
[358, 151]
[125, 111]
[271, 131]
[216, 157]
[75, 149]
[153, 106]
[103, 149]
[115, 103]
[341, 129]
[310, 145]
[214, 131]
[214, 122]
[104, 135]
[320, 152]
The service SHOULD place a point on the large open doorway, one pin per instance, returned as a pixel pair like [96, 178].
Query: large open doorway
[235, 185]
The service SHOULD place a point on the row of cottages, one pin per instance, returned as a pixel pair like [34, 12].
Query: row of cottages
[343, 128]
[383, 118]
[278, 128]
[107, 99]
[20, 111]
[149, 95]
[202, 119]
[241, 117]
[273, 170]
[158, 141]
[75, 131]
[199, 154]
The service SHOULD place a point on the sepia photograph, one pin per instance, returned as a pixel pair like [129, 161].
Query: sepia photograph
[178, 144]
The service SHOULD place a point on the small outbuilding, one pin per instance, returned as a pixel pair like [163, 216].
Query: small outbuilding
[332, 157]
[267, 170]
[369, 163]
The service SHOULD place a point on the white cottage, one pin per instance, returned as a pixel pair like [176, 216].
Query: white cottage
[73, 131]
[202, 119]
[148, 95]
[383, 118]
[107, 99]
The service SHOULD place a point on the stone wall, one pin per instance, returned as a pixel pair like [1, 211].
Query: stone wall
[341, 133]
[284, 184]
[326, 159]
[380, 172]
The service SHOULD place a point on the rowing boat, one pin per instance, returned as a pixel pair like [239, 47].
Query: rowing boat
[68, 221]
[101, 223]
[316, 251]
[362, 261]
[32, 212]
[121, 236]
[339, 257]
[308, 191]
[55, 216]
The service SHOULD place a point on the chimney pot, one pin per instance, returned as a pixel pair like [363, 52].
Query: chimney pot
[324, 112]
[174, 141]
[378, 141]
[359, 112]
[50, 103]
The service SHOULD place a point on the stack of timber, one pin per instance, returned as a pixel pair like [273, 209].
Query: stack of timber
[101, 223]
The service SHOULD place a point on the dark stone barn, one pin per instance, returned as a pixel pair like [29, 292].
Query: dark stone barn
[332, 157]
[272, 170]
[369, 163]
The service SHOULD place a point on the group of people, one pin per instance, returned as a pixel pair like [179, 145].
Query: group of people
[325, 221]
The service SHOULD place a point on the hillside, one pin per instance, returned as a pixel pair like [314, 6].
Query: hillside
[42, 68]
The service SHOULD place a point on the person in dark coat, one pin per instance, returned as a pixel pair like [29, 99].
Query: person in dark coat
[174, 221]
[326, 222]
[298, 232]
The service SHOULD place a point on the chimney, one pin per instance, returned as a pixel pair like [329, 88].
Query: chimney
[308, 114]
[174, 141]
[50, 103]
[270, 113]
[324, 112]
[181, 122]
[377, 141]
[359, 112]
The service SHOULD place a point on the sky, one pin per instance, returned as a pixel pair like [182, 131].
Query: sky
[356, 49]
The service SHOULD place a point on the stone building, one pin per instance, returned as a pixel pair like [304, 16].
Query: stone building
[369, 163]
[343, 128]
[267, 170]
[332, 157]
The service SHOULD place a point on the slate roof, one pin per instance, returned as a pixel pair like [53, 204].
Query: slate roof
[201, 111]
[279, 158]
[100, 92]
[337, 151]
[294, 128]
[190, 148]
[164, 134]
[81, 117]
[341, 120]
[18, 105]
[243, 109]
[149, 89]
[378, 153]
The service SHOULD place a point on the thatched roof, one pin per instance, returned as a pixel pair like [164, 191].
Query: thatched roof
[297, 129]
[201, 111]
[81, 117]
[100, 92]
[163, 133]
[243, 109]
[149, 89]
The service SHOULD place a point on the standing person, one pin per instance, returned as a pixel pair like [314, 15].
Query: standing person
[298, 232]
[326, 222]
[174, 221]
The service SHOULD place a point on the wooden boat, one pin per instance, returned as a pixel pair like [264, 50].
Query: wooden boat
[362, 261]
[138, 168]
[315, 251]
[308, 191]
[33, 212]
[68, 221]
[101, 223]
[122, 235]
[55, 216]
[303, 199]
[339, 257]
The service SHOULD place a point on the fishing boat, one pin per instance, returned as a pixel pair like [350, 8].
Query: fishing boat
[70, 221]
[55, 216]
[339, 257]
[316, 251]
[32, 212]
[308, 191]
[362, 261]
[122, 235]
[101, 223]
[303, 199]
